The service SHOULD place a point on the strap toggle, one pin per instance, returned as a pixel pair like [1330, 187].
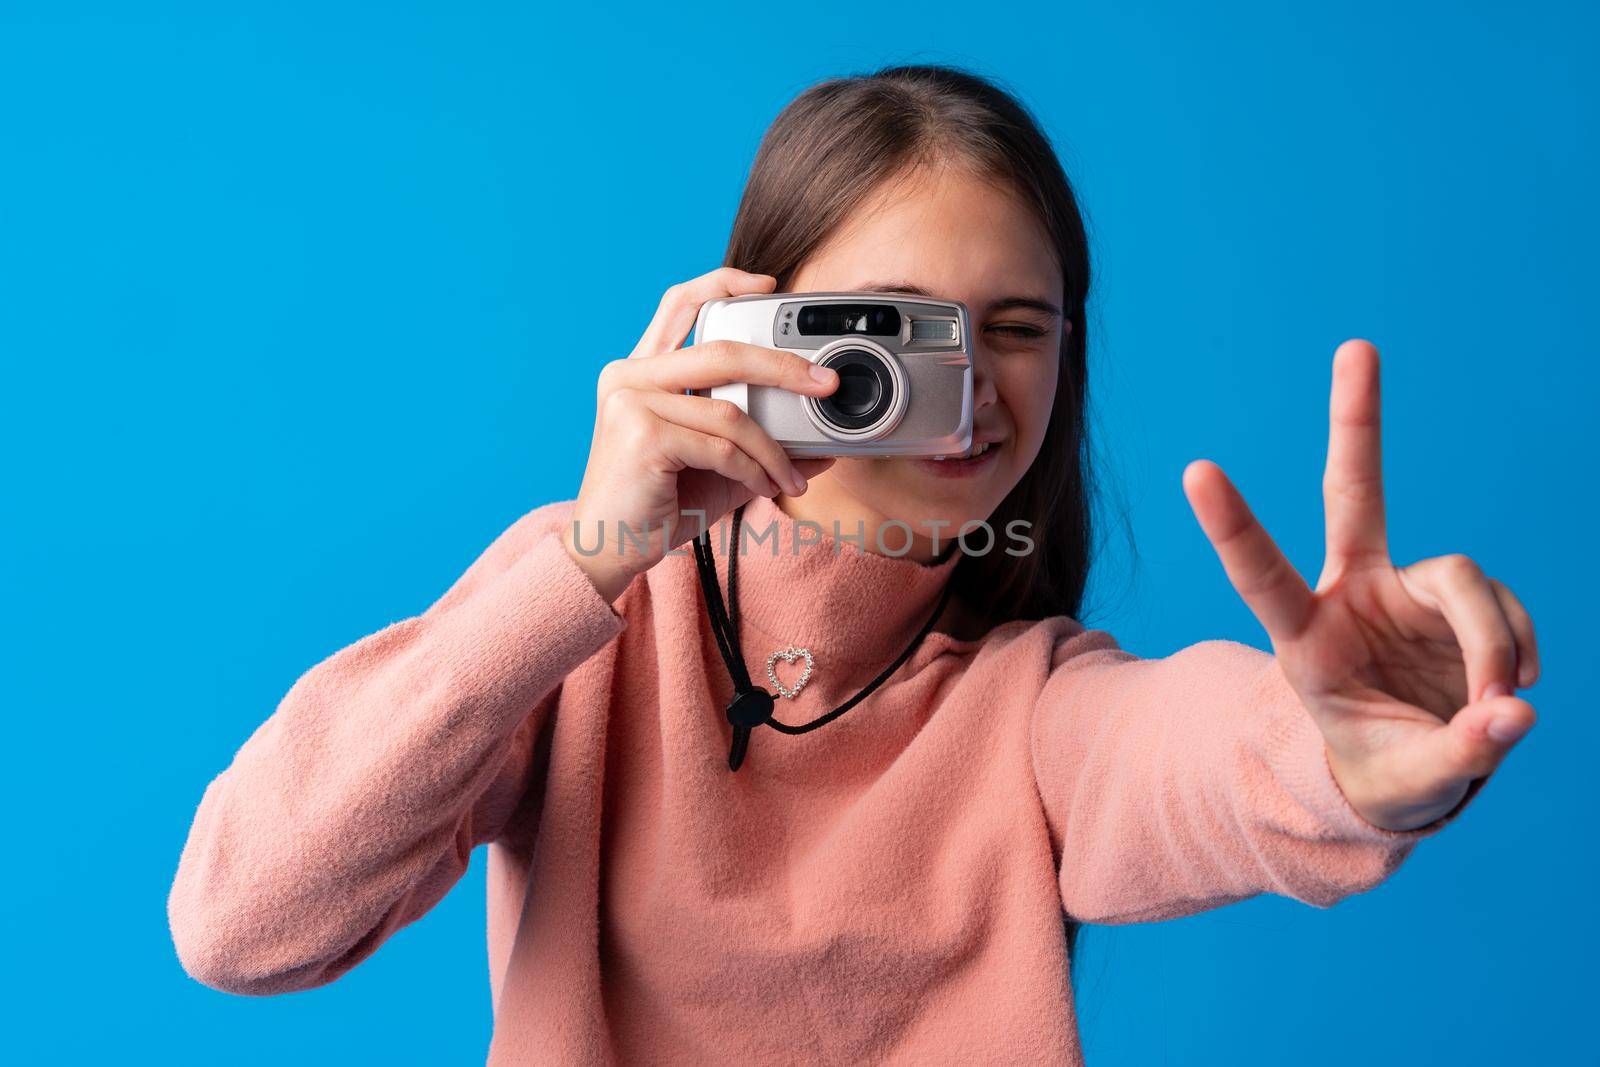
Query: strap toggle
[750, 707]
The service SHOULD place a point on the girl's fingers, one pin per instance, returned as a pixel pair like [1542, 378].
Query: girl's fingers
[1425, 771]
[1475, 740]
[719, 363]
[1522, 627]
[1266, 581]
[810, 468]
[723, 418]
[1352, 485]
[1457, 589]
[684, 447]
[680, 305]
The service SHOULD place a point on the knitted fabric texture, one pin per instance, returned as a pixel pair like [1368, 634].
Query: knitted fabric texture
[887, 889]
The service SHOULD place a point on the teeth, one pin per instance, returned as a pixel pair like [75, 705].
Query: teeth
[971, 453]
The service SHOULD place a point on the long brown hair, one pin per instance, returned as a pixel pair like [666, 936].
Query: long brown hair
[821, 157]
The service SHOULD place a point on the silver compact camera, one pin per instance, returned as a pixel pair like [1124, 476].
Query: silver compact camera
[905, 372]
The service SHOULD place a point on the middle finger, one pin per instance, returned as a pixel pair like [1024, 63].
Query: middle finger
[723, 418]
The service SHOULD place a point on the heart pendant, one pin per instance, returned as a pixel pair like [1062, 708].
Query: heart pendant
[789, 655]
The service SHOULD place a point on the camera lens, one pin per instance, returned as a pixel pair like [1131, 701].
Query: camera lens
[866, 390]
[858, 391]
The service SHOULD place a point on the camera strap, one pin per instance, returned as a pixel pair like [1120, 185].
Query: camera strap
[752, 705]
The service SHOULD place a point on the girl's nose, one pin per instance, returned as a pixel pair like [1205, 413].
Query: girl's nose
[984, 393]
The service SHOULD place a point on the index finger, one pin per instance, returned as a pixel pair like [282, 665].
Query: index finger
[680, 304]
[1264, 579]
[1352, 485]
[725, 362]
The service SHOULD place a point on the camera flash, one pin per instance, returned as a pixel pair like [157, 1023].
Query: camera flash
[933, 330]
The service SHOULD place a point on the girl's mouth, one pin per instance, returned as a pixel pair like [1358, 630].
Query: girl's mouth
[976, 460]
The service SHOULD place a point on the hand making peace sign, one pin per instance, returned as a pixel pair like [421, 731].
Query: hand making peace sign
[1408, 671]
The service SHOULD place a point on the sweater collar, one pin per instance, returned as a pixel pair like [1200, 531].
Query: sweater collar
[801, 585]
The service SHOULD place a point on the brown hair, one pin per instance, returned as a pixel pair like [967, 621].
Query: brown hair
[837, 142]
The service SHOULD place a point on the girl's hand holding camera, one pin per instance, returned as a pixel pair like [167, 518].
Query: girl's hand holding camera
[659, 452]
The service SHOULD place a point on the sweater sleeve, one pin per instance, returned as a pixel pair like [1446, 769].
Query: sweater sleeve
[353, 809]
[1179, 784]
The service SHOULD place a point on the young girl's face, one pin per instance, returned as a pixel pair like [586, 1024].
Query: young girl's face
[942, 232]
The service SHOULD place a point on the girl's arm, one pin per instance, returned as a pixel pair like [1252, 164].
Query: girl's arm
[353, 809]
[1220, 772]
[1175, 785]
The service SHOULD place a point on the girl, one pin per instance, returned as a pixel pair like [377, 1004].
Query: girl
[899, 884]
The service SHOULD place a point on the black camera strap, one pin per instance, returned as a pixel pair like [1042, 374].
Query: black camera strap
[752, 705]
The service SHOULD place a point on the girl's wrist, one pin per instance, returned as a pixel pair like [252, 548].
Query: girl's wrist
[609, 575]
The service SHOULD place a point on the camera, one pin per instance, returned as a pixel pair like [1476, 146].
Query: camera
[905, 372]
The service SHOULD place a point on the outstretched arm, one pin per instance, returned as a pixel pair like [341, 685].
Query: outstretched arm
[1183, 783]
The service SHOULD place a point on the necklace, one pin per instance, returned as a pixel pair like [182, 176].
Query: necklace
[751, 705]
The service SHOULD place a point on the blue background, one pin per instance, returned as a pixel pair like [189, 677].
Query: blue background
[300, 307]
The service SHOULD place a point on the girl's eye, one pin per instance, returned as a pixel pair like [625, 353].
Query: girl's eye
[1018, 331]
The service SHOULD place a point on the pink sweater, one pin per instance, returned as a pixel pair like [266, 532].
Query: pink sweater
[887, 889]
